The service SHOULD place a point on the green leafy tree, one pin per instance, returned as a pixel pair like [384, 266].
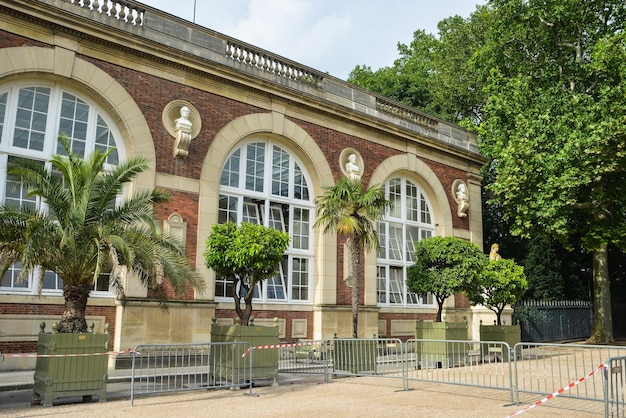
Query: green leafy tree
[439, 75]
[83, 232]
[246, 255]
[407, 80]
[352, 210]
[554, 127]
[501, 283]
[444, 266]
[543, 271]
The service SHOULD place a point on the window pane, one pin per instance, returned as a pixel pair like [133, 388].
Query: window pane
[230, 172]
[301, 190]
[276, 284]
[395, 241]
[278, 216]
[31, 118]
[105, 141]
[301, 225]
[396, 284]
[10, 278]
[300, 279]
[51, 281]
[3, 109]
[382, 239]
[412, 204]
[250, 211]
[412, 236]
[255, 166]
[425, 211]
[280, 172]
[395, 196]
[381, 284]
[227, 211]
[73, 124]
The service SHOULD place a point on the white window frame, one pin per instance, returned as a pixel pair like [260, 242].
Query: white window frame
[49, 148]
[271, 215]
[394, 244]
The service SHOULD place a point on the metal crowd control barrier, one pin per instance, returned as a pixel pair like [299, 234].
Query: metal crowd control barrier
[566, 370]
[382, 357]
[543, 368]
[314, 357]
[487, 364]
[184, 367]
[614, 390]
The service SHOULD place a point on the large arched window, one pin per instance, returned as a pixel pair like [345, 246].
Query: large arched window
[409, 220]
[263, 183]
[32, 116]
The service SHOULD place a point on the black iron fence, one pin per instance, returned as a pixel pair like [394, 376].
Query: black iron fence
[543, 321]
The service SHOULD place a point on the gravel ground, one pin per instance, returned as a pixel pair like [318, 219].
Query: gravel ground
[345, 397]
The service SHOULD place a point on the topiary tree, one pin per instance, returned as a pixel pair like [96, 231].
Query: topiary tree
[444, 266]
[245, 254]
[502, 283]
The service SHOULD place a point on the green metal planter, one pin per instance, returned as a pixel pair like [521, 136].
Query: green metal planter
[228, 362]
[440, 354]
[510, 334]
[77, 366]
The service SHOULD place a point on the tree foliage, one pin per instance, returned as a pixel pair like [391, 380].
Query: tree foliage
[246, 255]
[502, 282]
[83, 232]
[350, 209]
[554, 126]
[444, 266]
[436, 74]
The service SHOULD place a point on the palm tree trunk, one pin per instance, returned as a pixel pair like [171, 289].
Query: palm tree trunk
[355, 259]
[73, 318]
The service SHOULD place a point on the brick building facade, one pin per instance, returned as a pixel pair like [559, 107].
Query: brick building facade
[267, 134]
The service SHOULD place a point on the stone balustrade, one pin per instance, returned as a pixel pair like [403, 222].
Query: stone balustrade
[267, 62]
[125, 11]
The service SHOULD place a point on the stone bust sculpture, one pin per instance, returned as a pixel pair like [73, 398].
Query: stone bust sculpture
[352, 168]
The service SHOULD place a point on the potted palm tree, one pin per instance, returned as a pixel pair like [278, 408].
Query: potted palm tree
[246, 255]
[353, 211]
[443, 267]
[86, 231]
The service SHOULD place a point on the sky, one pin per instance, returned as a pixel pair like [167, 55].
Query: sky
[331, 36]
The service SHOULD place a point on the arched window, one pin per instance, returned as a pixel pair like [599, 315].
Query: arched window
[32, 116]
[409, 220]
[263, 183]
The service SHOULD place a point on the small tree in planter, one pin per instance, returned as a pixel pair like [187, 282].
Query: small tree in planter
[502, 283]
[444, 266]
[246, 255]
[83, 233]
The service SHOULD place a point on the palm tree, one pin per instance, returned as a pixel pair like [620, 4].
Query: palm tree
[353, 211]
[85, 232]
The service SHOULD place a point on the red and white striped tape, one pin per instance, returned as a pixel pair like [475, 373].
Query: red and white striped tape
[558, 392]
[70, 355]
[265, 347]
